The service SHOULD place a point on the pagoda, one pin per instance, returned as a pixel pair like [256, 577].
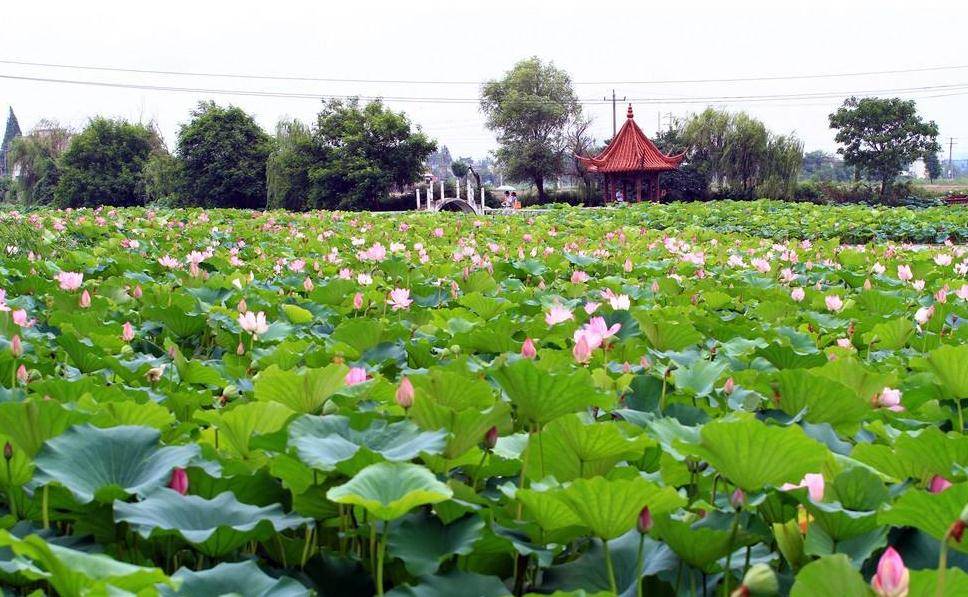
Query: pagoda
[630, 162]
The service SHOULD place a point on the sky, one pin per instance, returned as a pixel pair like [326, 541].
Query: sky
[413, 51]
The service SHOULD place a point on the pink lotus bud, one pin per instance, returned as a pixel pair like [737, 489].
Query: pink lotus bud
[240, 349]
[358, 301]
[581, 351]
[355, 375]
[867, 284]
[938, 484]
[137, 293]
[738, 499]
[797, 294]
[242, 307]
[626, 367]
[16, 347]
[404, 395]
[85, 299]
[655, 287]
[127, 332]
[528, 350]
[179, 481]
[729, 386]
[7, 451]
[628, 265]
[308, 284]
[644, 361]
[490, 438]
[892, 577]
[20, 317]
[644, 522]
[22, 374]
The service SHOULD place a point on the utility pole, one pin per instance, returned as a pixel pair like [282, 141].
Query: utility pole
[614, 113]
[951, 145]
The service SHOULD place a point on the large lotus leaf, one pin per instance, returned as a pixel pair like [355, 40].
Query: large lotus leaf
[454, 583]
[918, 455]
[825, 400]
[933, 513]
[303, 392]
[238, 425]
[113, 414]
[73, 572]
[701, 544]
[325, 442]
[950, 364]
[485, 307]
[216, 526]
[664, 334]
[388, 490]
[924, 583]
[422, 541]
[359, 335]
[547, 509]
[29, 424]
[700, 377]
[830, 575]
[241, 578]
[610, 507]
[110, 463]
[176, 320]
[453, 390]
[540, 396]
[890, 335]
[589, 571]
[753, 455]
[865, 381]
[569, 447]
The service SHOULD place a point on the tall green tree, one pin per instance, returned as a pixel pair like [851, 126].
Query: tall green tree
[223, 152]
[104, 164]
[530, 109]
[35, 158]
[932, 165]
[287, 171]
[881, 136]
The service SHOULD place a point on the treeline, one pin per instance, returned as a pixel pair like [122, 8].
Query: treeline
[351, 157]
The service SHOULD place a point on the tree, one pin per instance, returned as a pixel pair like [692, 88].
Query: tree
[223, 152]
[11, 132]
[104, 164]
[459, 169]
[287, 172]
[359, 153]
[932, 165]
[34, 157]
[581, 142]
[822, 166]
[882, 136]
[531, 109]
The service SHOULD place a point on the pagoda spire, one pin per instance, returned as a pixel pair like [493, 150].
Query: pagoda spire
[11, 132]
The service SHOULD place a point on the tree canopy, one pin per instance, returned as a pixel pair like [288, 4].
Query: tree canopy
[103, 165]
[223, 153]
[531, 109]
[35, 157]
[881, 136]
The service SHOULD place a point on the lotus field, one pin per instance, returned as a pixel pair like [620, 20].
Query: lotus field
[728, 398]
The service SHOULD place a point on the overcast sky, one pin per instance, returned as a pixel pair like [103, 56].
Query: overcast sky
[597, 42]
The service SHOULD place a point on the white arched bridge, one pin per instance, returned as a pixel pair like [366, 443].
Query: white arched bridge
[466, 204]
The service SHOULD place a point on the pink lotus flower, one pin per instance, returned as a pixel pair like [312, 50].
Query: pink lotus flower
[169, 262]
[528, 350]
[20, 318]
[813, 482]
[938, 484]
[892, 576]
[590, 307]
[942, 259]
[621, 302]
[833, 302]
[179, 481]
[918, 285]
[69, 280]
[399, 299]
[878, 269]
[904, 273]
[844, 342]
[355, 375]
[558, 314]
[85, 301]
[729, 386]
[438, 232]
[582, 352]
[254, 323]
[308, 284]
[405, 394]
[797, 294]
[595, 332]
[889, 398]
[924, 314]
[127, 332]
[579, 277]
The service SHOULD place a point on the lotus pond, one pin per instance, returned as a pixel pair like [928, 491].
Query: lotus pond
[709, 399]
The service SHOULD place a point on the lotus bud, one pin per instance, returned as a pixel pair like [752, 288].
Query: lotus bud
[137, 292]
[738, 499]
[938, 484]
[242, 306]
[957, 530]
[16, 347]
[308, 284]
[581, 351]
[528, 350]
[490, 438]
[644, 522]
[179, 481]
[7, 451]
[22, 374]
[230, 391]
[867, 284]
[760, 579]
[626, 367]
[404, 395]
[172, 352]
[358, 301]
[892, 576]
[154, 374]
[127, 332]
[240, 349]
[628, 265]
[729, 386]
[655, 287]
[85, 299]
[644, 361]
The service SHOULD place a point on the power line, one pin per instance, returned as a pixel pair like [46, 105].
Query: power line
[458, 82]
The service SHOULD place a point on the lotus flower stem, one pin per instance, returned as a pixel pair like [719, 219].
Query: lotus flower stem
[305, 553]
[44, 511]
[609, 568]
[379, 561]
[729, 555]
[639, 565]
[942, 565]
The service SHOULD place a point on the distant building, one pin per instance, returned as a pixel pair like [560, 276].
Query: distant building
[11, 132]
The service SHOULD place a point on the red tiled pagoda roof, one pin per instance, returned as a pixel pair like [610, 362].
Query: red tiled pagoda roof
[631, 151]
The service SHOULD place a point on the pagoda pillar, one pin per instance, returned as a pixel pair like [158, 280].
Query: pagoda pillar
[638, 188]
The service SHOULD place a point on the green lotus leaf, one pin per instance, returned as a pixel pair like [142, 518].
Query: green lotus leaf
[665, 334]
[73, 572]
[303, 392]
[454, 583]
[548, 509]
[863, 380]
[890, 335]
[825, 400]
[830, 575]
[701, 544]
[215, 527]
[29, 424]
[109, 463]
[388, 490]
[924, 583]
[237, 426]
[297, 314]
[568, 448]
[950, 365]
[485, 307]
[754, 455]
[541, 396]
[325, 442]
[699, 378]
[933, 513]
[610, 507]
[423, 541]
[241, 578]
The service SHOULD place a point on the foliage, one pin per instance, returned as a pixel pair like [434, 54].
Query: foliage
[880, 137]
[35, 156]
[530, 109]
[103, 165]
[223, 153]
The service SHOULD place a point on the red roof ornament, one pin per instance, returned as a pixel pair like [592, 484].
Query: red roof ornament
[631, 151]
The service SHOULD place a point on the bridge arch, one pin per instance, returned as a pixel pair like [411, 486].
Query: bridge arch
[457, 205]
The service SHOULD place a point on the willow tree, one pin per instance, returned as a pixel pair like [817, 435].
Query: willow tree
[34, 156]
[530, 109]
